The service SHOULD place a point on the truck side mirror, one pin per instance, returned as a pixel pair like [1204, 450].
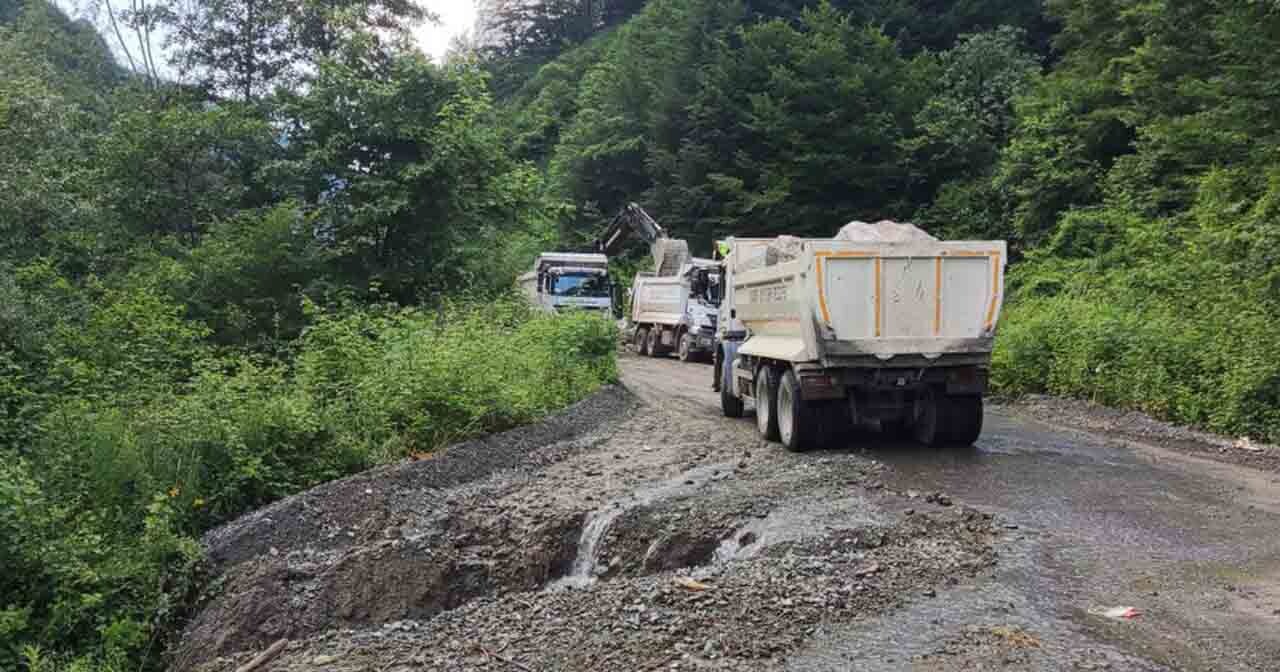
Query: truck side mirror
[733, 313]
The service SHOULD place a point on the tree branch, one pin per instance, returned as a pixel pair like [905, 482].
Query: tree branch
[111, 15]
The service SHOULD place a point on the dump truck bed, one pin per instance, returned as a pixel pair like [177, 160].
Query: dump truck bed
[658, 300]
[832, 300]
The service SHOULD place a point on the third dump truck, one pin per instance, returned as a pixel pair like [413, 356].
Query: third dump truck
[895, 330]
[674, 307]
[677, 313]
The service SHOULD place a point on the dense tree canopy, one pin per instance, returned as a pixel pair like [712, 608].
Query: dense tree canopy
[201, 266]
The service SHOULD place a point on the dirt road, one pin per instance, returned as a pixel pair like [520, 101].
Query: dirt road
[643, 531]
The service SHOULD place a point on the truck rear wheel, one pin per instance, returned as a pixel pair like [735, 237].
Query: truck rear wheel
[964, 421]
[686, 347]
[927, 418]
[946, 420]
[766, 392]
[642, 341]
[730, 404]
[837, 421]
[799, 428]
[655, 342]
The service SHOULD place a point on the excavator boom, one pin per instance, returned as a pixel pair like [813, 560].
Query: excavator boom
[669, 254]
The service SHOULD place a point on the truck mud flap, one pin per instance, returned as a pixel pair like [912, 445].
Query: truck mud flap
[966, 381]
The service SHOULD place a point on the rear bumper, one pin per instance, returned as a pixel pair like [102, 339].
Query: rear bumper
[958, 380]
[887, 349]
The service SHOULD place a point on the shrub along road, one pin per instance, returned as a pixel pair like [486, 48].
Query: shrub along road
[640, 530]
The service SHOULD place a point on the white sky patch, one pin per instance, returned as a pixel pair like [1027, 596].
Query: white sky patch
[457, 17]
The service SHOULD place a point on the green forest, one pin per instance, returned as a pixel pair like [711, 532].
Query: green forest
[278, 248]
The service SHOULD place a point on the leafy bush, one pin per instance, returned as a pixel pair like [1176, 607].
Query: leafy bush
[391, 384]
[1159, 319]
[102, 510]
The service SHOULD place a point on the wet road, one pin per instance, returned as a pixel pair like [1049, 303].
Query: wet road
[1094, 522]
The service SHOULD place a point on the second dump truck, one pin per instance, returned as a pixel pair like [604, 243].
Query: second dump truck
[895, 330]
[677, 312]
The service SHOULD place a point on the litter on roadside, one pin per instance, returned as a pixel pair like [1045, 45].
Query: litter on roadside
[1247, 444]
[691, 584]
[1118, 613]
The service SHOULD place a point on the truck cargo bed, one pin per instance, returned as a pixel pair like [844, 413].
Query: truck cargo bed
[842, 299]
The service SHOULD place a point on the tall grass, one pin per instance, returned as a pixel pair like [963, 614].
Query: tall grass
[100, 514]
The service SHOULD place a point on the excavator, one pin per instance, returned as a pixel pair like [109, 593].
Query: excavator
[674, 307]
[669, 254]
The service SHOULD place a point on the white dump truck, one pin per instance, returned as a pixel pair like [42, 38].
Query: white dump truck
[569, 281]
[677, 312]
[675, 306]
[881, 325]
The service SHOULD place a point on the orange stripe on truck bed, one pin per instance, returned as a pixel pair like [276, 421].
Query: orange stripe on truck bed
[937, 296]
[995, 289]
[821, 257]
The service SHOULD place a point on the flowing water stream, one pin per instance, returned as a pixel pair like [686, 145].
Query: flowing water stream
[586, 563]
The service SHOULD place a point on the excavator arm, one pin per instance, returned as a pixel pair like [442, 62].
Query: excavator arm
[669, 254]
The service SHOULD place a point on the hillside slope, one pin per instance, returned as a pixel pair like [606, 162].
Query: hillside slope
[80, 63]
[1131, 165]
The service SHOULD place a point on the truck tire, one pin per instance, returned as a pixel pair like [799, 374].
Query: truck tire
[766, 389]
[655, 342]
[730, 404]
[964, 420]
[896, 429]
[686, 351]
[799, 426]
[836, 423]
[928, 415]
[642, 341]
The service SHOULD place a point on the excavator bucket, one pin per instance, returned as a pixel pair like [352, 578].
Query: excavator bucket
[669, 255]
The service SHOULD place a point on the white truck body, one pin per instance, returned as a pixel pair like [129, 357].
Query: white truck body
[569, 281]
[844, 299]
[676, 312]
[897, 333]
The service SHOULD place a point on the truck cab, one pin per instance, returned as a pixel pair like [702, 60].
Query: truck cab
[562, 281]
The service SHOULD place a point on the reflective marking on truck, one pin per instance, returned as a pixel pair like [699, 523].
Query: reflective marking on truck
[995, 290]
[877, 281]
[937, 296]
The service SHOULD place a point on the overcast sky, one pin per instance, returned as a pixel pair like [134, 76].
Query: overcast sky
[457, 17]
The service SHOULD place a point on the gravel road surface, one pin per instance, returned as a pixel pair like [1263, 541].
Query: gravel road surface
[642, 531]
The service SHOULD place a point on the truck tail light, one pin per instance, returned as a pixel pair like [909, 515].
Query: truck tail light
[820, 386]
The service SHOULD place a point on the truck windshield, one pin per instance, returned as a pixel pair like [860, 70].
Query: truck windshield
[706, 286]
[595, 286]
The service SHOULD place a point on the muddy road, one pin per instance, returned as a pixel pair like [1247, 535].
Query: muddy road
[642, 531]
